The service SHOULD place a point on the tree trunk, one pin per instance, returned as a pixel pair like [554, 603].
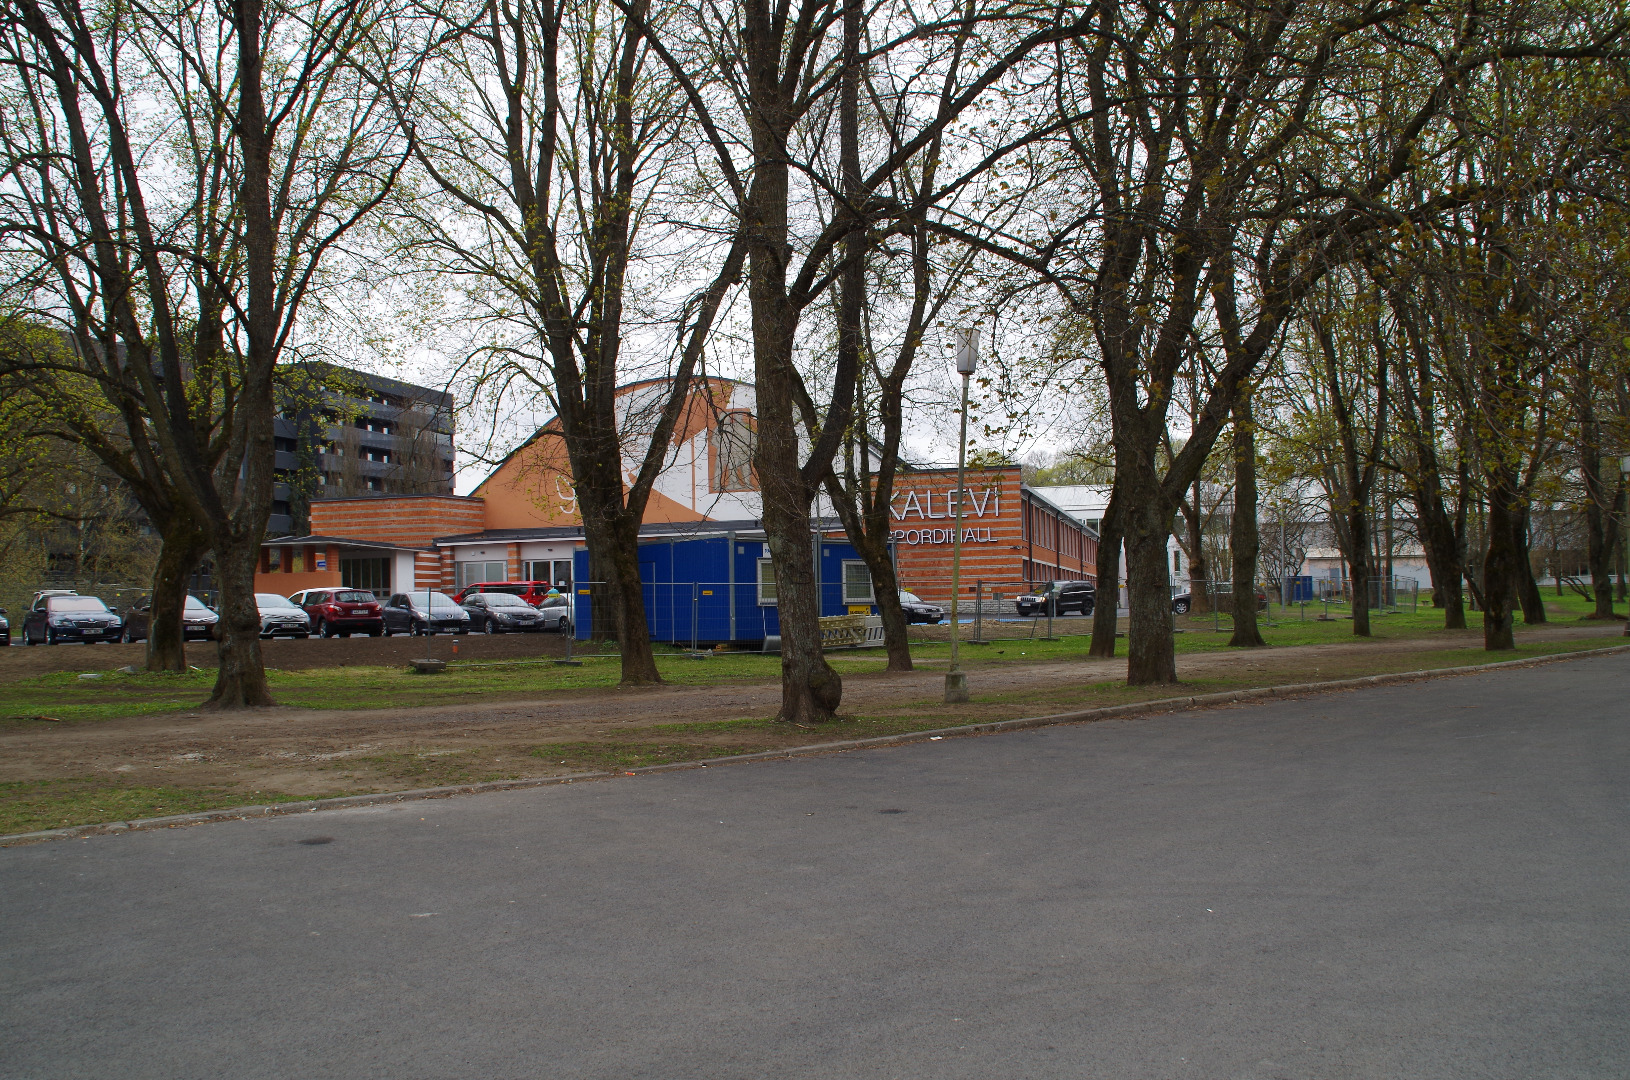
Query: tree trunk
[1199, 565]
[1244, 542]
[1358, 561]
[1151, 655]
[1105, 611]
[183, 547]
[1528, 594]
[1602, 539]
[1500, 563]
[621, 544]
[874, 552]
[240, 681]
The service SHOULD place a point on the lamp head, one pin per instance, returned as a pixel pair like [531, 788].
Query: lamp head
[967, 350]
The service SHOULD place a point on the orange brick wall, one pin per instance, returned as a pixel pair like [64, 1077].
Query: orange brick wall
[1007, 538]
[409, 520]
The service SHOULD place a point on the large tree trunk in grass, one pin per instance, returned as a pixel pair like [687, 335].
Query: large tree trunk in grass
[1199, 566]
[619, 540]
[1528, 594]
[1146, 518]
[1500, 563]
[1356, 548]
[1243, 541]
[240, 681]
[183, 546]
[1602, 545]
[1106, 610]
[1443, 562]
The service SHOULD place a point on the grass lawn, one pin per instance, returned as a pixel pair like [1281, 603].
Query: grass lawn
[61, 800]
[67, 697]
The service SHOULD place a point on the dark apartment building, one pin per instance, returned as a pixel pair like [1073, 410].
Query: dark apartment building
[342, 433]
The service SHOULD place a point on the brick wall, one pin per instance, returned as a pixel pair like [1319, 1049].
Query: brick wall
[1008, 538]
[409, 520]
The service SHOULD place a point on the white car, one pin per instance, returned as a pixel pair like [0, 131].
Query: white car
[280, 615]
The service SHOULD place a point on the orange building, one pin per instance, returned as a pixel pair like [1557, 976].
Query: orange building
[522, 521]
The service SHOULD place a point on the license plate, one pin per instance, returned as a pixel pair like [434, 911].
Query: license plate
[90, 630]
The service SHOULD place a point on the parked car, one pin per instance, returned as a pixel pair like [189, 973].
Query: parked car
[57, 617]
[1182, 602]
[341, 611]
[278, 615]
[1058, 598]
[918, 611]
[556, 612]
[197, 620]
[5, 628]
[424, 612]
[500, 613]
[533, 592]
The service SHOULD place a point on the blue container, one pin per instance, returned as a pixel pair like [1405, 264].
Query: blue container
[705, 589]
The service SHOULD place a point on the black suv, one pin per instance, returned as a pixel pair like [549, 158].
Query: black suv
[1058, 598]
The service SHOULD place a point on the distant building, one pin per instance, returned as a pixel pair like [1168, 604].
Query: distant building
[342, 433]
[522, 521]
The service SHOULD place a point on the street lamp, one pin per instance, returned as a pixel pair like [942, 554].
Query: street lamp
[967, 358]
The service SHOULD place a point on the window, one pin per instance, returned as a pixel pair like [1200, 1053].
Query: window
[857, 583]
[733, 453]
[373, 575]
[557, 572]
[766, 582]
[469, 573]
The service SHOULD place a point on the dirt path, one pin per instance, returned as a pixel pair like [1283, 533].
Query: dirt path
[305, 751]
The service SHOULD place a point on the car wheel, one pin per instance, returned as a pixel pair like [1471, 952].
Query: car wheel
[564, 627]
[416, 630]
[322, 629]
[1181, 607]
[50, 638]
[488, 628]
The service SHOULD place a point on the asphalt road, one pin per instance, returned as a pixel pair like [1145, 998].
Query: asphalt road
[1417, 882]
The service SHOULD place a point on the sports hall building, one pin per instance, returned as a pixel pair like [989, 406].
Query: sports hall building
[522, 521]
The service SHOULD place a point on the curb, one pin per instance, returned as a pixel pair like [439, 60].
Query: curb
[1108, 712]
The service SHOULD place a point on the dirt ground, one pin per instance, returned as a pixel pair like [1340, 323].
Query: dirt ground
[315, 752]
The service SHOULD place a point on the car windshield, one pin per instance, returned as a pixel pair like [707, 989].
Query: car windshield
[438, 601]
[504, 599]
[354, 598]
[272, 600]
[194, 604]
[909, 598]
[76, 603]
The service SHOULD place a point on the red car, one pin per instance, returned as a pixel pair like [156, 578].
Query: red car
[341, 611]
[532, 592]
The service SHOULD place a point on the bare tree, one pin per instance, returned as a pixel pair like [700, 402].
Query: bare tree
[179, 177]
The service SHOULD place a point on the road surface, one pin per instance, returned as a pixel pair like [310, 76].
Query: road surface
[1418, 881]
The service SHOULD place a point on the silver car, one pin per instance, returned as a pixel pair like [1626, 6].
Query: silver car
[278, 615]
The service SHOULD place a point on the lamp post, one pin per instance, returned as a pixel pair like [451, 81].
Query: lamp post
[967, 358]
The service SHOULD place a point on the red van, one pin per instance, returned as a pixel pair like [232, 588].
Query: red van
[532, 592]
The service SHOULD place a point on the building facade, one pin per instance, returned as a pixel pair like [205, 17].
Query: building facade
[344, 433]
[522, 521]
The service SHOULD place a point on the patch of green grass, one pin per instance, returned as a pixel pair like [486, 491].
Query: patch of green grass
[633, 755]
[66, 697]
[435, 768]
[27, 806]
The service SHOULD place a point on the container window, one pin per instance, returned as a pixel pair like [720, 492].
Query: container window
[766, 582]
[857, 583]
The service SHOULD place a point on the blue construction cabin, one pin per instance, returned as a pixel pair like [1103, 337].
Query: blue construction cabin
[710, 583]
